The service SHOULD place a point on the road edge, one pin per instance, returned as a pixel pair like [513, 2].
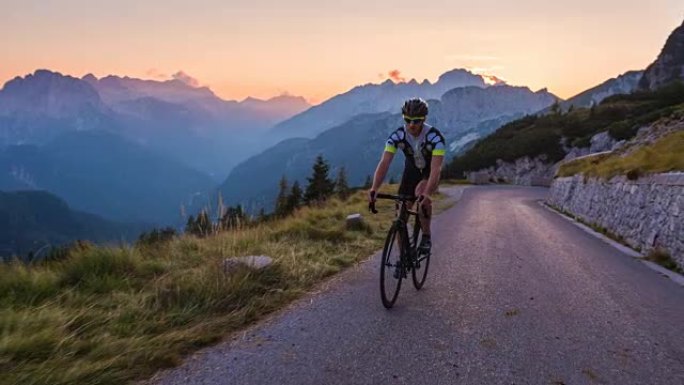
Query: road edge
[674, 276]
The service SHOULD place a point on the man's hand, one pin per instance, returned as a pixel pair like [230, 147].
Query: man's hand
[424, 199]
[371, 196]
[424, 203]
[371, 201]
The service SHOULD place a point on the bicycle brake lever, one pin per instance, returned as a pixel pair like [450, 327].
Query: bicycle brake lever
[371, 207]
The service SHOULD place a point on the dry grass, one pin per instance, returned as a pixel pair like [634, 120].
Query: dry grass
[664, 259]
[117, 315]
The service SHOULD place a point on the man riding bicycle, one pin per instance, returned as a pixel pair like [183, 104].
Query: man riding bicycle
[424, 148]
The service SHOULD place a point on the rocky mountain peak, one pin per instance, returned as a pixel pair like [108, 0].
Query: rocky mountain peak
[669, 66]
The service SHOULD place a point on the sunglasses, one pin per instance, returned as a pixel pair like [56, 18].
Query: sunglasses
[414, 120]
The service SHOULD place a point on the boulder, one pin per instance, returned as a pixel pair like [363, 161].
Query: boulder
[256, 262]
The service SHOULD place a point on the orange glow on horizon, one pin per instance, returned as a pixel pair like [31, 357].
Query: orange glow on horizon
[264, 49]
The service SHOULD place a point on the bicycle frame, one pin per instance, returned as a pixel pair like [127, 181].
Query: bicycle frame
[407, 249]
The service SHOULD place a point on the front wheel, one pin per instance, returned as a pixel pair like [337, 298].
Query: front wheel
[421, 262]
[391, 271]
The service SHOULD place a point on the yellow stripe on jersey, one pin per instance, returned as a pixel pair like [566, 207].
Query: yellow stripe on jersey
[390, 148]
[439, 152]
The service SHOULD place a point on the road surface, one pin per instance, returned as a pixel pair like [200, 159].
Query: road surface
[515, 295]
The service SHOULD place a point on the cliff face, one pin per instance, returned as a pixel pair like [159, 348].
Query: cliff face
[669, 66]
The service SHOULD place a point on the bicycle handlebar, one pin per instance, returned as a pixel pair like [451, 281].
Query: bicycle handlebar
[400, 198]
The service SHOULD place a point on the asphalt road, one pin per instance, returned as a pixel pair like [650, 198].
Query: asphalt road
[515, 295]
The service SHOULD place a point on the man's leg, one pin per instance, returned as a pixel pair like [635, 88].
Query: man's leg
[425, 215]
[425, 212]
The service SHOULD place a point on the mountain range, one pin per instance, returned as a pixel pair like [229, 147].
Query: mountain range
[371, 98]
[190, 124]
[32, 221]
[357, 143]
[622, 84]
[102, 173]
[139, 150]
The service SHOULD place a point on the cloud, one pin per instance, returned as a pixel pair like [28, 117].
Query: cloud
[395, 75]
[185, 78]
[485, 70]
[156, 74]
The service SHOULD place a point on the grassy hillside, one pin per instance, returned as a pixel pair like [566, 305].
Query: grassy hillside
[115, 315]
[666, 154]
[532, 136]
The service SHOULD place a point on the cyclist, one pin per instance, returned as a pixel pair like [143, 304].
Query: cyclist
[424, 148]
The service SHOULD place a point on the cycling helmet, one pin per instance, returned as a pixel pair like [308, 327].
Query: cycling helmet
[415, 107]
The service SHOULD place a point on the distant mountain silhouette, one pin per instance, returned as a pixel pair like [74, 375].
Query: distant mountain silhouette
[188, 123]
[32, 221]
[371, 98]
[623, 84]
[104, 174]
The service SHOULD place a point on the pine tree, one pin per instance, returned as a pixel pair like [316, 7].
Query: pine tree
[234, 218]
[341, 185]
[262, 215]
[556, 108]
[294, 200]
[281, 201]
[203, 224]
[320, 186]
[368, 183]
[190, 225]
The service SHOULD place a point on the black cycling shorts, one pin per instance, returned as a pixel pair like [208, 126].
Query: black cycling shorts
[410, 179]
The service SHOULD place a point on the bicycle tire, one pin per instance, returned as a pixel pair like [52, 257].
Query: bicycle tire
[388, 264]
[422, 261]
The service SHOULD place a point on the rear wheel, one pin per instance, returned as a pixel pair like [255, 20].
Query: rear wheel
[422, 261]
[391, 272]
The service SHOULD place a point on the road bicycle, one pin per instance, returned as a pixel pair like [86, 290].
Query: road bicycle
[401, 253]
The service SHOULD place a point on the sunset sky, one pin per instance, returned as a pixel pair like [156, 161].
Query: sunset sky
[264, 48]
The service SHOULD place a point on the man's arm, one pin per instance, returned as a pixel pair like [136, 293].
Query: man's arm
[435, 171]
[381, 170]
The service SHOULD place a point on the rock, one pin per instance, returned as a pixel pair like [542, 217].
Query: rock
[478, 178]
[669, 66]
[601, 142]
[524, 171]
[355, 222]
[256, 262]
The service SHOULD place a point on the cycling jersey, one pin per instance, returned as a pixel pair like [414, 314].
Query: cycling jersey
[418, 152]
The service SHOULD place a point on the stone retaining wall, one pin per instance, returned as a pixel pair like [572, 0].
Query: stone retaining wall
[647, 213]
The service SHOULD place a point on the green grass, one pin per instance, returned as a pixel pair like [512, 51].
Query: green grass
[113, 315]
[662, 156]
[664, 259]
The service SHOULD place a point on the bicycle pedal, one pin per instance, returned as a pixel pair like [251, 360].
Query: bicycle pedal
[399, 271]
